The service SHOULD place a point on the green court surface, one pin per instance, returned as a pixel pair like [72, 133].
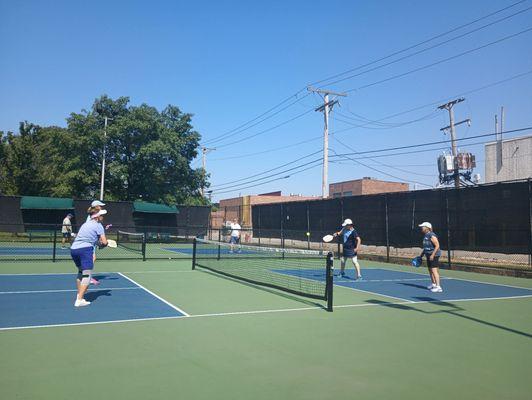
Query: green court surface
[244, 342]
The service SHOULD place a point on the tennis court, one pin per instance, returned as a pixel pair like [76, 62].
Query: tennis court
[159, 329]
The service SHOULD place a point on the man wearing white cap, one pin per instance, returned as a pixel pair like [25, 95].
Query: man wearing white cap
[432, 252]
[351, 245]
[91, 233]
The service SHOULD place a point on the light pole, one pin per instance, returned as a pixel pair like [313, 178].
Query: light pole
[103, 156]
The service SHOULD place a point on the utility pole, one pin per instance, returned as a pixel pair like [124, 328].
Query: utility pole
[449, 107]
[102, 182]
[204, 151]
[326, 109]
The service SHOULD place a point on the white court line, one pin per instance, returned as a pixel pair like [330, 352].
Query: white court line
[154, 295]
[257, 312]
[68, 290]
[385, 280]
[373, 293]
[94, 273]
[462, 279]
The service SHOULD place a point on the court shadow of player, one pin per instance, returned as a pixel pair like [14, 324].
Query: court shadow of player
[94, 294]
[450, 308]
[413, 285]
[105, 277]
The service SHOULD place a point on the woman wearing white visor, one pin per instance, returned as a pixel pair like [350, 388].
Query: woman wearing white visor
[432, 252]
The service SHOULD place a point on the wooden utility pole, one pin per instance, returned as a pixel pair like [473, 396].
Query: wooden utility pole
[449, 107]
[326, 109]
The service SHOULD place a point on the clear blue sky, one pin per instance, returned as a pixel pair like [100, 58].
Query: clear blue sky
[229, 61]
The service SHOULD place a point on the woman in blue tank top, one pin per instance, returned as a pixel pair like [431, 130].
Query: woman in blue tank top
[432, 252]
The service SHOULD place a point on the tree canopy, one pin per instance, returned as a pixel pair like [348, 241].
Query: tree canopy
[148, 155]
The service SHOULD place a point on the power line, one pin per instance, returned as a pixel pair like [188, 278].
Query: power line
[441, 61]
[252, 122]
[442, 100]
[433, 143]
[237, 131]
[382, 172]
[416, 45]
[273, 180]
[270, 170]
[430, 47]
[365, 125]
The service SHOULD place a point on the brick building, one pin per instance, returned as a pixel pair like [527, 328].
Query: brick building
[240, 207]
[365, 185]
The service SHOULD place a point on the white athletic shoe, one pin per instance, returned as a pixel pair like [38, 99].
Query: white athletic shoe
[431, 286]
[81, 303]
[436, 289]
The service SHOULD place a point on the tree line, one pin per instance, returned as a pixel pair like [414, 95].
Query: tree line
[148, 155]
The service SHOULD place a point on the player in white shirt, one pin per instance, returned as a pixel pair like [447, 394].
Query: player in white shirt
[235, 235]
[66, 230]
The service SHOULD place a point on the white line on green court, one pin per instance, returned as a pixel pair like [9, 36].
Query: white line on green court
[155, 295]
[93, 289]
[257, 312]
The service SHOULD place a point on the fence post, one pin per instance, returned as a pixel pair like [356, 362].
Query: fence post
[55, 245]
[530, 222]
[448, 228]
[194, 254]
[219, 241]
[308, 226]
[259, 228]
[282, 227]
[386, 228]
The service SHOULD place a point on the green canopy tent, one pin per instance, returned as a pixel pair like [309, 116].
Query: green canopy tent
[42, 212]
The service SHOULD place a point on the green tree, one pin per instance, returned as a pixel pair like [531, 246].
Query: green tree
[148, 155]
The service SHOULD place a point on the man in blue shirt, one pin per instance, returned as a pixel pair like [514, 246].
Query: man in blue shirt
[91, 234]
[432, 252]
[351, 245]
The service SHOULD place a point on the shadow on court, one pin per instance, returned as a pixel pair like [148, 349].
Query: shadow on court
[94, 294]
[451, 309]
[105, 277]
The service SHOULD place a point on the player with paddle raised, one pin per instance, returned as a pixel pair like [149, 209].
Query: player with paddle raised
[351, 245]
[91, 233]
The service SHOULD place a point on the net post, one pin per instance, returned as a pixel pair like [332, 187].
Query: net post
[54, 252]
[329, 281]
[194, 247]
[219, 240]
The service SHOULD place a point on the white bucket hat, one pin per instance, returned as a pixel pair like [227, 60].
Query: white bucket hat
[426, 225]
[347, 221]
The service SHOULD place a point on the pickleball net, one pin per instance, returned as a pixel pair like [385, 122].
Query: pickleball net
[306, 273]
[132, 241]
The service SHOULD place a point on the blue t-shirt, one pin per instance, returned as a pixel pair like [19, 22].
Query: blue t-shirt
[349, 242]
[88, 235]
[428, 246]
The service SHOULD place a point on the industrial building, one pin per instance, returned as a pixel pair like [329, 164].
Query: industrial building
[508, 160]
[365, 185]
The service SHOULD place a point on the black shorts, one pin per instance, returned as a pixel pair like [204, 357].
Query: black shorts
[433, 264]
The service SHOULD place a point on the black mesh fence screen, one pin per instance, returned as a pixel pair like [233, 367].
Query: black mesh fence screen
[487, 225]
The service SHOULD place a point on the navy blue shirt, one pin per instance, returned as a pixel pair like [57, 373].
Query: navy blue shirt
[349, 241]
[428, 246]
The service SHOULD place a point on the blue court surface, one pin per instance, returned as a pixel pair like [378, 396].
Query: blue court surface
[412, 286]
[44, 300]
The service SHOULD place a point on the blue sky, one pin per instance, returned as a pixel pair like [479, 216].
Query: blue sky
[229, 61]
